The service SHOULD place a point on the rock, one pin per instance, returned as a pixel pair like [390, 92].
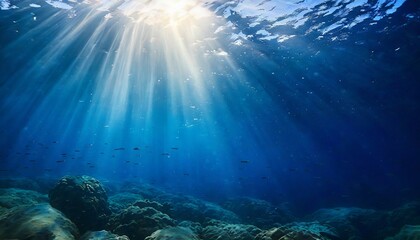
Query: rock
[353, 223]
[299, 231]
[102, 235]
[147, 203]
[193, 226]
[36, 222]
[192, 209]
[123, 200]
[138, 223]
[173, 233]
[258, 212]
[12, 197]
[2, 210]
[182, 207]
[408, 214]
[219, 230]
[83, 200]
[408, 232]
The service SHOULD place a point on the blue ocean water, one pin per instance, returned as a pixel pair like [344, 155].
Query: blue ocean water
[313, 102]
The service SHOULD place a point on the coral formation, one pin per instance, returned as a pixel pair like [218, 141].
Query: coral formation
[258, 212]
[408, 232]
[142, 212]
[219, 230]
[299, 231]
[12, 197]
[102, 235]
[83, 200]
[122, 200]
[352, 223]
[173, 233]
[36, 222]
[138, 223]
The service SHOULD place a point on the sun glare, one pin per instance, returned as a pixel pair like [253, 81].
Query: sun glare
[165, 12]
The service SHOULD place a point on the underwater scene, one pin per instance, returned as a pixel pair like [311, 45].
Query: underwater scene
[210, 119]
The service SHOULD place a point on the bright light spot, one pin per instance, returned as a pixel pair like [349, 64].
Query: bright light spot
[164, 11]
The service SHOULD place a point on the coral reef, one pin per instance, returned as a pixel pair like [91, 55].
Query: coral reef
[102, 235]
[299, 231]
[12, 197]
[352, 223]
[258, 212]
[36, 222]
[193, 226]
[143, 212]
[138, 223]
[196, 210]
[173, 233]
[120, 201]
[407, 214]
[83, 200]
[408, 232]
[219, 230]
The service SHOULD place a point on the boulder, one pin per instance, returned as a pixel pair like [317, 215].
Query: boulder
[36, 222]
[83, 200]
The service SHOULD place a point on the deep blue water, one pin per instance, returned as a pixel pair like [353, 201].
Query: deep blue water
[325, 112]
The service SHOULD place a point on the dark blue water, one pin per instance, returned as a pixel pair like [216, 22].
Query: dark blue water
[323, 112]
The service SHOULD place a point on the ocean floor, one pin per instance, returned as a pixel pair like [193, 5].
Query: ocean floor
[81, 207]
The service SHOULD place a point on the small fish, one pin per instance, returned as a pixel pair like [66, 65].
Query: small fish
[118, 149]
[77, 150]
[264, 177]
[165, 154]
[136, 149]
[186, 174]
[59, 161]
[244, 161]
[174, 148]
[127, 161]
